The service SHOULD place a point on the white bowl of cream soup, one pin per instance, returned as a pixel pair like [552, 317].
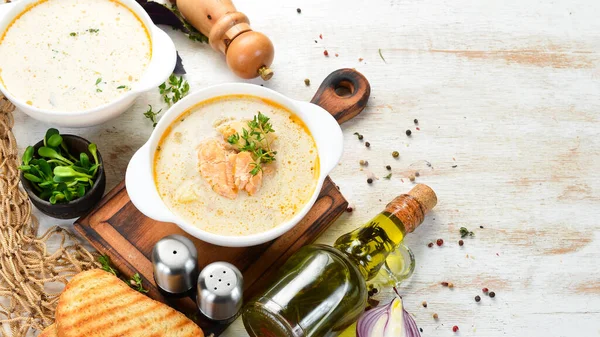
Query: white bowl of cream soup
[79, 63]
[235, 164]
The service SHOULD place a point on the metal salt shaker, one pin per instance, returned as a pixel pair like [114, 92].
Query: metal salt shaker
[175, 263]
[219, 292]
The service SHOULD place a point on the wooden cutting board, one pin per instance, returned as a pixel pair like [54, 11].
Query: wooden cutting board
[116, 228]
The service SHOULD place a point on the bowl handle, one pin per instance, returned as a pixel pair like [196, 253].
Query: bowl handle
[141, 188]
[344, 93]
[164, 57]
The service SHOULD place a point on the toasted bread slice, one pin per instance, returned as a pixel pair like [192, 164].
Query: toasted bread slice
[98, 304]
[49, 331]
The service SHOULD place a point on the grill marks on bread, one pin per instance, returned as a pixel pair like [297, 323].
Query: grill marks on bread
[98, 304]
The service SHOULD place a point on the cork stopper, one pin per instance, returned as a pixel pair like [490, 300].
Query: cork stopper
[411, 208]
[425, 196]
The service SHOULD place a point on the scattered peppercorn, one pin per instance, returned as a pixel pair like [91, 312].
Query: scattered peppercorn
[477, 298]
[395, 154]
[416, 121]
[481, 227]
[336, 55]
[450, 285]
[298, 10]
[360, 137]
[454, 166]
[411, 177]
[421, 329]
[370, 181]
[375, 291]
[461, 242]
[424, 304]
[417, 174]
[485, 290]
[321, 36]
[367, 144]
[408, 132]
[326, 53]
[388, 167]
[349, 209]
[439, 242]
[444, 284]
[435, 316]
[430, 244]
[455, 328]
[363, 163]
[306, 82]
[492, 294]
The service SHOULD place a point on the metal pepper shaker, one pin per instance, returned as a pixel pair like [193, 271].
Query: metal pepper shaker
[220, 291]
[175, 264]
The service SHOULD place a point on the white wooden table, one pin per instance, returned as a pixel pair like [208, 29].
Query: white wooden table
[507, 94]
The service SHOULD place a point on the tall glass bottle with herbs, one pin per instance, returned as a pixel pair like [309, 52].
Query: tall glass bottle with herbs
[321, 290]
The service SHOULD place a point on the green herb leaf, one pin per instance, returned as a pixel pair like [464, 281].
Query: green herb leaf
[68, 172]
[81, 191]
[381, 55]
[32, 178]
[55, 140]
[255, 141]
[98, 80]
[48, 152]
[73, 34]
[151, 115]
[45, 168]
[106, 265]
[464, 232]
[389, 176]
[175, 90]
[28, 155]
[49, 134]
[93, 148]
[136, 283]
[122, 87]
[93, 30]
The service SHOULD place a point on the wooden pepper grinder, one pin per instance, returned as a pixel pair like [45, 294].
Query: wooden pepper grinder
[249, 54]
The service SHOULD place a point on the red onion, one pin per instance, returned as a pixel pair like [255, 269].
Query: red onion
[387, 321]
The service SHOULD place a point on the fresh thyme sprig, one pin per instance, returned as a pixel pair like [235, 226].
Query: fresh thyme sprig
[151, 115]
[255, 141]
[105, 262]
[134, 282]
[176, 89]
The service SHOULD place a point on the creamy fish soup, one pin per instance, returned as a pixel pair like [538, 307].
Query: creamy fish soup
[73, 55]
[236, 165]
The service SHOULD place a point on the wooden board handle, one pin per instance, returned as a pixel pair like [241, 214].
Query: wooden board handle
[344, 93]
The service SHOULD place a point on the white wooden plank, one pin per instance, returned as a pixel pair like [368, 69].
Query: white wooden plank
[508, 91]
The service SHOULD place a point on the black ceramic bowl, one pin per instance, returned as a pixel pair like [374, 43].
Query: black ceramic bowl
[77, 207]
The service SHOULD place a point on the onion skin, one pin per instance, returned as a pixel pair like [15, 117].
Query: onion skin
[387, 321]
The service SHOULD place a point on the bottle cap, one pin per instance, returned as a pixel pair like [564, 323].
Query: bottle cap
[175, 264]
[425, 196]
[220, 291]
[411, 208]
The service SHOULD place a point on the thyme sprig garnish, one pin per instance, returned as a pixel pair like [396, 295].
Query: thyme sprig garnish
[151, 115]
[174, 89]
[255, 141]
[134, 282]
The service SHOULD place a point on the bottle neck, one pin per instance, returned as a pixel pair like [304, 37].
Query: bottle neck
[369, 246]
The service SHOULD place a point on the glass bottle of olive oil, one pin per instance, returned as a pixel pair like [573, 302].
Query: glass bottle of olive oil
[321, 290]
